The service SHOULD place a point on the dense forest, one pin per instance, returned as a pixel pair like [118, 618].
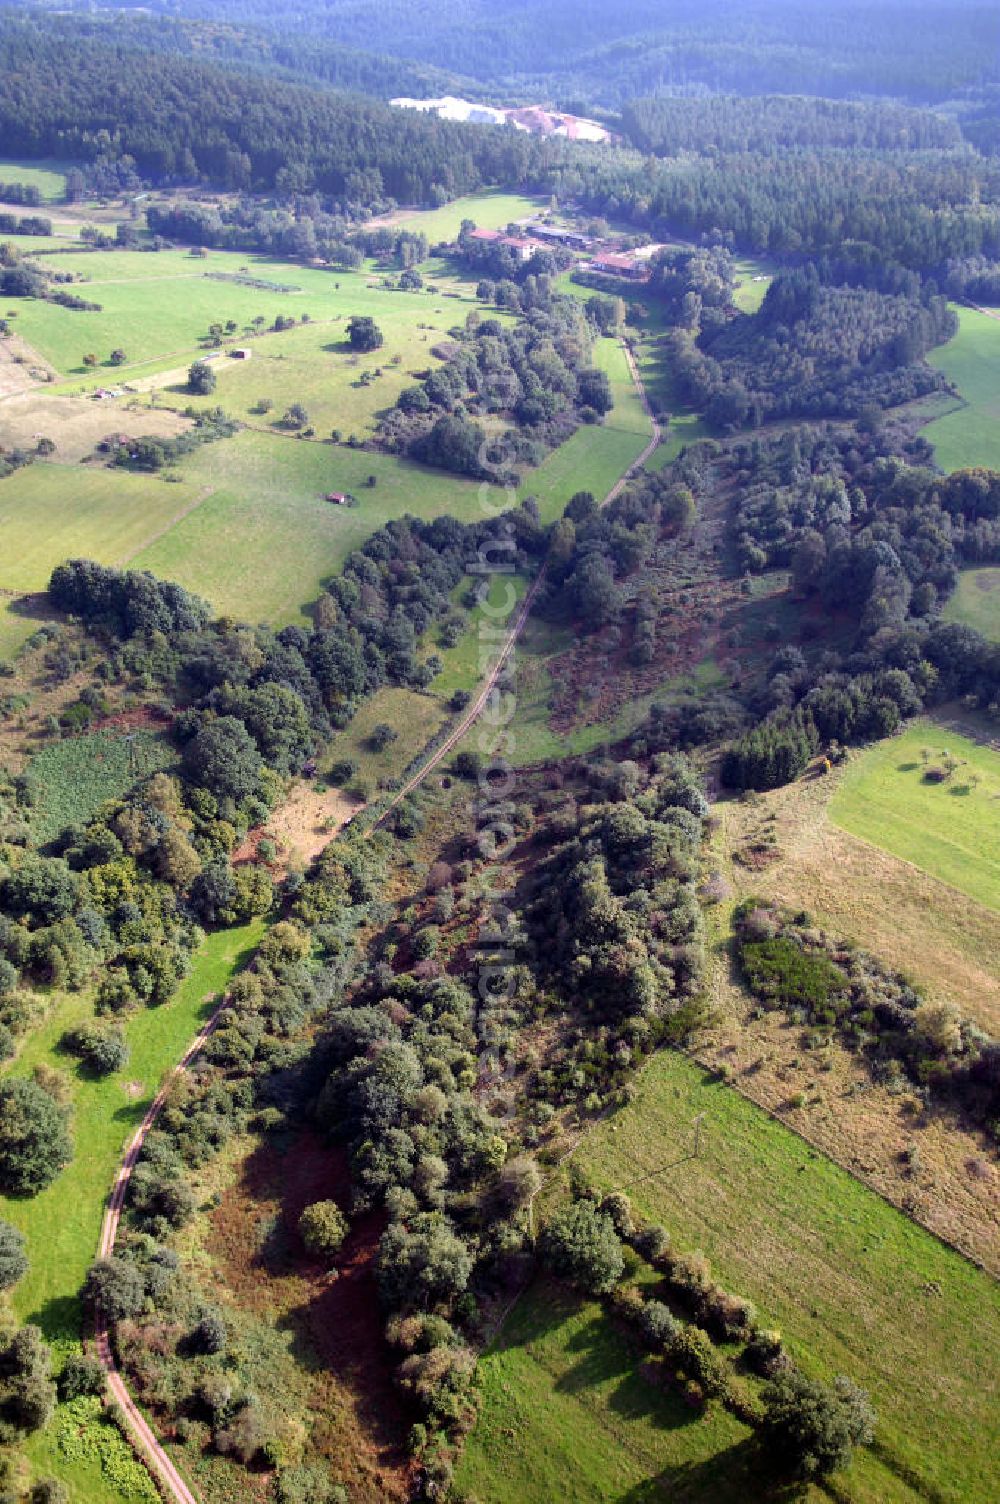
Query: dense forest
[584, 51]
[177, 118]
[668, 125]
[808, 177]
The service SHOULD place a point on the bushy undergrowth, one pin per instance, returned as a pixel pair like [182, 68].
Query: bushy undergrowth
[828, 985]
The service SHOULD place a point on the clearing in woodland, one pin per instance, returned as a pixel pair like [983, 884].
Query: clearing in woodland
[976, 601]
[970, 435]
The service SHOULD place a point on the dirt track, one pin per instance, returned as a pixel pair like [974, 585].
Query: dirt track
[479, 704]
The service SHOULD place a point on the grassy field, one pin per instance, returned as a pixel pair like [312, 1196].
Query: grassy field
[73, 778]
[314, 366]
[947, 829]
[971, 435]
[246, 525]
[469, 660]
[51, 512]
[48, 177]
[854, 1286]
[416, 718]
[157, 306]
[490, 211]
[566, 1415]
[62, 1224]
[976, 601]
[264, 539]
[753, 280]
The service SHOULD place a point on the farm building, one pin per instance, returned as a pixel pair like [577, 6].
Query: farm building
[552, 235]
[522, 246]
[617, 264]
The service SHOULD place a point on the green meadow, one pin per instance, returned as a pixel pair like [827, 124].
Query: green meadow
[853, 1284]
[158, 306]
[976, 601]
[948, 829]
[490, 211]
[567, 1415]
[62, 1223]
[51, 512]
[264, 539]
[247, 526]
[48, 177]
[971, 434]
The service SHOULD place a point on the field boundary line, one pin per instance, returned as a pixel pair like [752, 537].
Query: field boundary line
[161, 532]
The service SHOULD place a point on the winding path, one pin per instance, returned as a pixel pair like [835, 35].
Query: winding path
[166, 1474]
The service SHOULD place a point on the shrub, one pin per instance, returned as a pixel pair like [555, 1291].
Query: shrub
[581, 1245]
[34, 1143]
[784, 974]
[323, 1228]
[13, 1258]
[658, 1325]
[691, 1276]
[117, 1287]
[764, 1353]
[652, 1243]
[423, 1263]
[210, 1335]
[811, 1428]
[27, 1393]
[691, 1353]
[201, 378]
[727, 1316]
[81, 1375]
[520, 1181]
[618, 1207]
[102, 1051]
[49, 1491]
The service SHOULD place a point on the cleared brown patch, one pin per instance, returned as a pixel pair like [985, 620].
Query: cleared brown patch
[357, 1420]
[307, 821]
[21, 368]
[76, 425]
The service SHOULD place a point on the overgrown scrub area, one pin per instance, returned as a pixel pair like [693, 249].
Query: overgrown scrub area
[537, 377]
[829, 987]
[391, 1076]
[875, 542]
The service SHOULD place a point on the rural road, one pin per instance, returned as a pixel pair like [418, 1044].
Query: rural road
[517, 627]
[171, 1483]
